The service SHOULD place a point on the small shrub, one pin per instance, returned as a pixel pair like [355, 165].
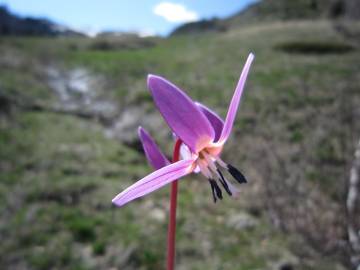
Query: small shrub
[99, 248]
[82, 230]
[314, 47]
[296, 136]
[120, 43]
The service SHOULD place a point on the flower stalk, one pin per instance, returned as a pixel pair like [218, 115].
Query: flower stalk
[172, 215]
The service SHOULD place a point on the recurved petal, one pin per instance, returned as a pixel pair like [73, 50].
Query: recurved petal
[154, 181]
[215, 120]
[230, 117]
[154, 155]
[181, 113]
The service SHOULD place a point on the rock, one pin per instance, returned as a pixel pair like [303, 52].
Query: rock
[125, 126]
[80, 91]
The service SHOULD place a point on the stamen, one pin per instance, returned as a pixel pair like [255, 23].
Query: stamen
[209, 161]
[221, 163]
[204, 169]
[224, 183]
[217, 189]
[230, 190]
[212, 190]
[236, 174]
[216, 171]
[216, 192]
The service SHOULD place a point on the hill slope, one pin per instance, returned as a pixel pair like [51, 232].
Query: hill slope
[275, 10]
[293, 138]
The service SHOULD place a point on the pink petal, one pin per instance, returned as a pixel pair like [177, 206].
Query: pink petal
[181, 114]
[154, 155]
[215, 120]
[230, 117]
[154, 181]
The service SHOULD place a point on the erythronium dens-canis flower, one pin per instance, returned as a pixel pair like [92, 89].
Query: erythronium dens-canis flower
[203, 134]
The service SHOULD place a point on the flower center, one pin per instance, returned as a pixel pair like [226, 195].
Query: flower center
[208, 161]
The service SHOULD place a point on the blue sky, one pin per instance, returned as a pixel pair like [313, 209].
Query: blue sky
[145, 16]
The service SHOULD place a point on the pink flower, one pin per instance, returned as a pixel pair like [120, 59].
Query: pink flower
[203, 134]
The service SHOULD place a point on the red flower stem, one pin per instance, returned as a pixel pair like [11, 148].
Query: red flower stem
[172, 217]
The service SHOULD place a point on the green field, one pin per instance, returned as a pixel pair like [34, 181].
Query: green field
[293, 138]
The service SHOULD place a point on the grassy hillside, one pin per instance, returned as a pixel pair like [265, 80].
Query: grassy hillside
[271, 11]
[294, 139]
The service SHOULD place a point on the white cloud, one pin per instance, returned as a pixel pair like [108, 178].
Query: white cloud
[175, 12]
